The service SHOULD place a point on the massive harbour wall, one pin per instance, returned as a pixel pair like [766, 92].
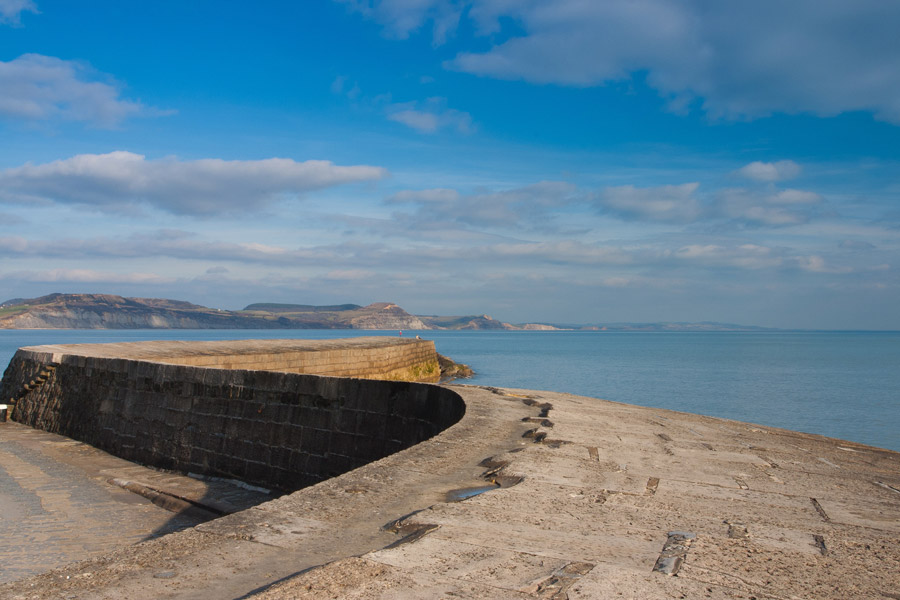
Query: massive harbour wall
[255, 416]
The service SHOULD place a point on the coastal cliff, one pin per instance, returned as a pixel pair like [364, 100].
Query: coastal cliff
[103, 311]
[106, 311]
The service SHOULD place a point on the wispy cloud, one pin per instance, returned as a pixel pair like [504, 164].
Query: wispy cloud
[187, 246]
[359, 260]
[124, 180]
[667, 203]
[42, 88]
[770, 171]
[11, 11]
[430, 116]
[774, 208]
[754, 257]
[736, 59]
[684, 204]
[84, 276]
[400, 18]
[342, 87]
[507, 208]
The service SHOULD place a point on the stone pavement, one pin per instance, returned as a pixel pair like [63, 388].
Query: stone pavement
[58, 502]
[586, 499]
[616, 499]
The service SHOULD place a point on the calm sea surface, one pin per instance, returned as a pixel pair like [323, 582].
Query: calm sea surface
[844, 385]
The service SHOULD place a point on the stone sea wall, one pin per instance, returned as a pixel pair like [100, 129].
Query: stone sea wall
[276, 429]
[408, 360]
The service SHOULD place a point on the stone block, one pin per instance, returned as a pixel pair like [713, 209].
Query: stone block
[280, 457]
[343, 443]
[260, 452]
[315, 466]
[316, 441]
[211, 442]
[346, 421]
[178, 403]
[297, 462]
[261, 431]
[316, 418]
[281, 413]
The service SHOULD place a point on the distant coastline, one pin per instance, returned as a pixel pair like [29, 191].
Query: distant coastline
[106, 311]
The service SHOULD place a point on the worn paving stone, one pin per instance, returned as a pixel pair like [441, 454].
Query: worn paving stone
[53, 512]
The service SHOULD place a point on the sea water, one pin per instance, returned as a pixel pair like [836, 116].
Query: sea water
[839, 384]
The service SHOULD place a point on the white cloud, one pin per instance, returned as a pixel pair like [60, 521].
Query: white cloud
[666, 203]
[121, 180]
[430, 116]
[790, 196]
[40, 88]
[743, 256]
[817, 264]
[11, 11]
[337, 86]
[340, 87]
[539, 204]
[740, 59]
[755, 257]
[771, 171]
[422, 122]
[400, 18]
[186, 246]
[560, 253]
[775, 209]
[84, 276]
[507, 208]
[426, 116]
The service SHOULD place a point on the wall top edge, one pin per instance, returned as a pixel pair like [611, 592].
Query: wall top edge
[160, 350]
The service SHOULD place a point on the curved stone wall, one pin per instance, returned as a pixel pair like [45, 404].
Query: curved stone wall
[276, 429]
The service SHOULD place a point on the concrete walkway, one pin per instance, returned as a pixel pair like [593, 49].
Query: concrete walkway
[633, 496]
[62, 501]
[598, 500]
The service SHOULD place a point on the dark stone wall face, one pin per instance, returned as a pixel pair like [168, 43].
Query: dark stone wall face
[279, 430]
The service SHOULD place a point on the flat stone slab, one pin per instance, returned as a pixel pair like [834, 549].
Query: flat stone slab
[586, 510]
[56, 506]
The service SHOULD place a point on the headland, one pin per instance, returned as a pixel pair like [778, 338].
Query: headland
[108, 311]
[478, 493]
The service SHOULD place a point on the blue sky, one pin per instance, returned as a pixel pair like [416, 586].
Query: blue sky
[575, 161]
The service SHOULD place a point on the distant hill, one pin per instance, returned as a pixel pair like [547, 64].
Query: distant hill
[469, 322]
[105, 311]
[381, 315]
